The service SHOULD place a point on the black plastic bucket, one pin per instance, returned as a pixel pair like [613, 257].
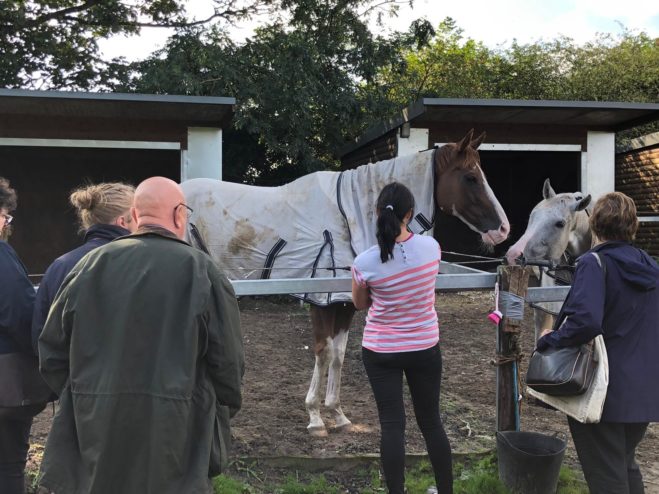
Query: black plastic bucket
[529, 462]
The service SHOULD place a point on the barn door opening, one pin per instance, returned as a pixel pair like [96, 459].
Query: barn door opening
[45, 226]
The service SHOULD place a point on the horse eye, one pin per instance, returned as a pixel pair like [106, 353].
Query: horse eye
[471, 179]
[560, 224]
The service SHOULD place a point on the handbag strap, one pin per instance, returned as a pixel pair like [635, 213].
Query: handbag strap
[561, 317]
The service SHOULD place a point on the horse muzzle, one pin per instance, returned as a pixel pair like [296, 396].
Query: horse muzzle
[495, 237]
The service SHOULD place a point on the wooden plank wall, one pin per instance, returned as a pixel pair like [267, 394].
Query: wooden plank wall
[637, 175]
[383, 148]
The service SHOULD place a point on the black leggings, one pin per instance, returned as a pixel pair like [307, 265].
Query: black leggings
[423, 370]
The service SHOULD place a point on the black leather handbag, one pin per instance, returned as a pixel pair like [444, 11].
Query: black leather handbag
[562, 371]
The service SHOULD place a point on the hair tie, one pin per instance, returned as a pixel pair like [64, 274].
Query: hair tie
[389, 206]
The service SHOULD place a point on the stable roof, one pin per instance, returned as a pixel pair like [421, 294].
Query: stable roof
[593, 115]
[191, 110]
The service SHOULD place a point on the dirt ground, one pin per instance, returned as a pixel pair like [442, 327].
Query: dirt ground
[280, 362]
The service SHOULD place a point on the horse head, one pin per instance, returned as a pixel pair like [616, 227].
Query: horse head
[461, 189]
[558, 224]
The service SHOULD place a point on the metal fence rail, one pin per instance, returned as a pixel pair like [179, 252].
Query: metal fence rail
[452, 278]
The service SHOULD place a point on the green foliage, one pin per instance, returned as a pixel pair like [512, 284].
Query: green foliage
[298, 84]
[568, 482]
[227, 485]
[479, 476]
[317, 486]
[622, 67]
[54, 44]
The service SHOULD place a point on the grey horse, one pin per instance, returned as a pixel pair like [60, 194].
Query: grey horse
[558, 229]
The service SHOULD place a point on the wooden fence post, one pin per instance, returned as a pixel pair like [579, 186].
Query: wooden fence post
[513, 280]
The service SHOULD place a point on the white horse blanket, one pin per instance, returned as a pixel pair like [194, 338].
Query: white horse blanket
[312, 227]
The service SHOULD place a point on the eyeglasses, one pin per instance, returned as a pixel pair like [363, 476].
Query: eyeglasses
[190, 210]
[8, 218]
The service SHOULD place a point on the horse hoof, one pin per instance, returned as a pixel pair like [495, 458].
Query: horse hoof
[317, 431]
[347, 427]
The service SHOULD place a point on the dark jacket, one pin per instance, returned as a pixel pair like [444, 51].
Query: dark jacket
[16, 303]
[143, 344]
[625, 309]
[95, 236]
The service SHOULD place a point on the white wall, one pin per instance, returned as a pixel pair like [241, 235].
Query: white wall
[203, 158]
[598, 164]
[417, 141]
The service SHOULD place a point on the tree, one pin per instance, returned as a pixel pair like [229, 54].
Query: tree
[54, 44]
[298, 84]
[609, 68]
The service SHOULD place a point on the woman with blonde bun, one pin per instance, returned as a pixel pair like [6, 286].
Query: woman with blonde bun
[104, 214]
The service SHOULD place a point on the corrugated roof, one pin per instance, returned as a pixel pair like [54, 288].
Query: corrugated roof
[593, 115]
[197, 110]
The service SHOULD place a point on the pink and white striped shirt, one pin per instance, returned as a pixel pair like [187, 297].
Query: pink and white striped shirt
[402, 316]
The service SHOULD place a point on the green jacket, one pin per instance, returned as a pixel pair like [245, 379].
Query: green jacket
[143, 345]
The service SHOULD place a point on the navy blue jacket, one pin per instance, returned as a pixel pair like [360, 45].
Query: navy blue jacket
[95, 236]
[16, 303]
[625, 309]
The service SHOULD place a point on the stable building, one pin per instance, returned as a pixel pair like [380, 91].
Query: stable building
[52, 142]
[570, 142]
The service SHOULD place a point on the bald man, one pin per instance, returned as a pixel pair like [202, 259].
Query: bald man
[143, 346]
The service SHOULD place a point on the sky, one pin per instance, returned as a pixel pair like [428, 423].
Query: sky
[494, 22]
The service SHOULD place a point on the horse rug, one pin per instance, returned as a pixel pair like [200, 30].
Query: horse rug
[309, 228]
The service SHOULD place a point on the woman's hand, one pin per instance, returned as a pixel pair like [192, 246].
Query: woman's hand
[545, 331]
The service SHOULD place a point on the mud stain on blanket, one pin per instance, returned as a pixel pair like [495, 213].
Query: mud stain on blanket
[244, 237]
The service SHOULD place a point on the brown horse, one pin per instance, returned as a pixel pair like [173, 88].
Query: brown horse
[252, 231]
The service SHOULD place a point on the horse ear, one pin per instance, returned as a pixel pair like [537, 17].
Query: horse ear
[478, 141]
[583, 203]
[547, 191]
[466, 140]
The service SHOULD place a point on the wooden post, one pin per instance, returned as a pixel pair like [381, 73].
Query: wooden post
[514, 280]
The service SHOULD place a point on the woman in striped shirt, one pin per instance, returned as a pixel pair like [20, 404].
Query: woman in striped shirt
[395, 280]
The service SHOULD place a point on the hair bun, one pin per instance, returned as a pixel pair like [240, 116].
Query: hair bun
[86, 198]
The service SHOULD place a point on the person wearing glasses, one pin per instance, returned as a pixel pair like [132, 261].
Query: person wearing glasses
[103, 212]
[143, 345]
[22, 392]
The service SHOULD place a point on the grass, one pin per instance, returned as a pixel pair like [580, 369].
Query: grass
[473, 476]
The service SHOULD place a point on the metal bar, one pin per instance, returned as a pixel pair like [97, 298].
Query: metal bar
[451, 282]
[547, 294]
[450, 268]
[444, 282]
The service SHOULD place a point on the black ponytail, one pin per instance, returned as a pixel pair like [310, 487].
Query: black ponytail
[394, 202]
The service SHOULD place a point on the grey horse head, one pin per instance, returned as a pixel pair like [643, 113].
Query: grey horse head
[558, 224]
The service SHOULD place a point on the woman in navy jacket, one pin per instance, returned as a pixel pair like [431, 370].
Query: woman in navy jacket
[22, 393]
[619, 300]
[104, 214]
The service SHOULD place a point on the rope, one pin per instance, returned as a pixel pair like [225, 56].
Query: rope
[507, 359]
[474, 256]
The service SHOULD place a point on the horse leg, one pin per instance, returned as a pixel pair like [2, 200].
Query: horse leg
[340, 331]
[321, 324]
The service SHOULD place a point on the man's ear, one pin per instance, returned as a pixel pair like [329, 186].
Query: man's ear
[133, 214]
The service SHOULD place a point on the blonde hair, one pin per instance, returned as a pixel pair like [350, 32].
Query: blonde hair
[102, 203]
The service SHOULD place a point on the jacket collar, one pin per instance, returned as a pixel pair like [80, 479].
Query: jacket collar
[157, 230]
[106, 232]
